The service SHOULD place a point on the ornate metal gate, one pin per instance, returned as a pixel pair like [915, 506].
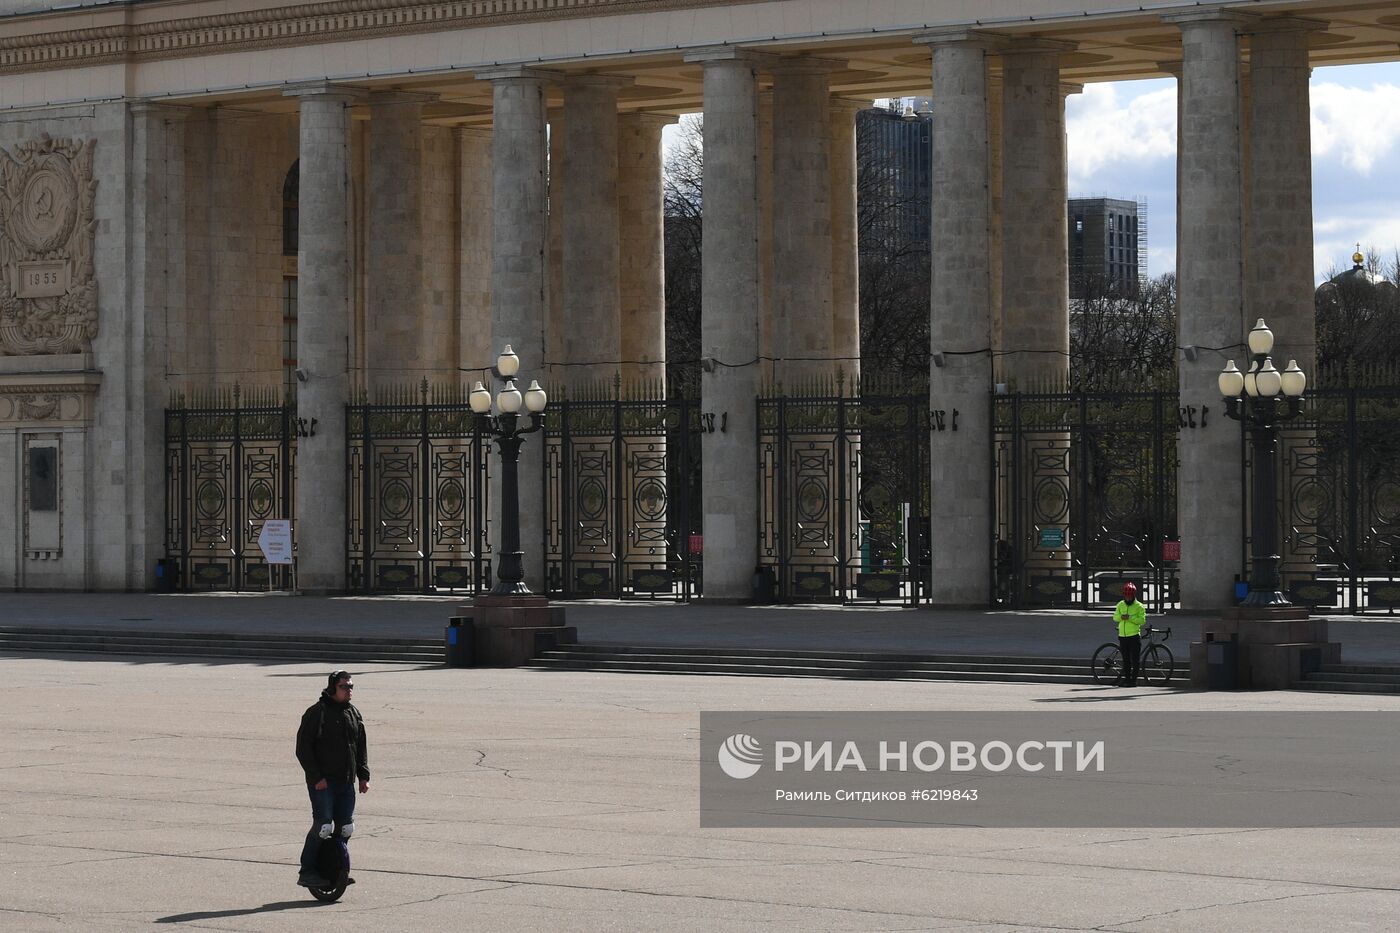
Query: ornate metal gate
[418, 494]
[1086, 497]
[622, 498]
[1339, 473]
[229, 460]
[843, 497]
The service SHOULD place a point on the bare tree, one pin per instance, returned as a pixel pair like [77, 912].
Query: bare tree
[1358, 316]
[682, 178]
[893, 230]
[1124, 339]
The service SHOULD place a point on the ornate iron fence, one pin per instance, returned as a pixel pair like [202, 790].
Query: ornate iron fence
[1086, 497]
[1339, 500]
[843, 497]
[622, 498]
[229, 461]
[418, 482]
[1085, 486]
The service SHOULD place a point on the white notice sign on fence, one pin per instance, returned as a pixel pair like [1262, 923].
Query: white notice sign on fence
[275, 539]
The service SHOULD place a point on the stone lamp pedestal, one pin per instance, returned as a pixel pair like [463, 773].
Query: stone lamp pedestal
[1274, 646]
[511, 630]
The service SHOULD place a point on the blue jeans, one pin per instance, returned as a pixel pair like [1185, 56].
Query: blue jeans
[335, 804]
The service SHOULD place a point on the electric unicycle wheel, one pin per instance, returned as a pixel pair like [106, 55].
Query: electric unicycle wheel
[333, 863]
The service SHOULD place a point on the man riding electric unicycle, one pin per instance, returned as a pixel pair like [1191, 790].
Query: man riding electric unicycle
[332, 751]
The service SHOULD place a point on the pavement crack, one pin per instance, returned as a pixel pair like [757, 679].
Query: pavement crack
[1253, 900]
[511, 876]
[481, 763]
[35, 913]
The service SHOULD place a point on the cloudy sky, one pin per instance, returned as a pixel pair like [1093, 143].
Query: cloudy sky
[1122, 143]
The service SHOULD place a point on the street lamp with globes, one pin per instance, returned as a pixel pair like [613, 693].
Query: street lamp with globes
[1254, 398]
[505, 428]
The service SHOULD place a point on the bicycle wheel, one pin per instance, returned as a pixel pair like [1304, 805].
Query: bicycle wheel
[1107, 663]
[1158, 665]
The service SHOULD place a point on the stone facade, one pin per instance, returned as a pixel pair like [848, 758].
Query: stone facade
[440, 220]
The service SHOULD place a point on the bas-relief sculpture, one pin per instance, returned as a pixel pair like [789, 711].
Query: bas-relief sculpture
[48, 291]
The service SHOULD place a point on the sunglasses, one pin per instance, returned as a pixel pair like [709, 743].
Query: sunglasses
[346, 686]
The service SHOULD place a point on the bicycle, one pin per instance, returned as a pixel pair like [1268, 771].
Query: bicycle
[1155, 664]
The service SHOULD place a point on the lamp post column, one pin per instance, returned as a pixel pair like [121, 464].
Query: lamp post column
[511, 623]
[1264, 643]
[510, 578]
[1264, 581]
[1254, 399]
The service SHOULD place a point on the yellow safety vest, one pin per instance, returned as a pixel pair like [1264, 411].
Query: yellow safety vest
[1130, 618]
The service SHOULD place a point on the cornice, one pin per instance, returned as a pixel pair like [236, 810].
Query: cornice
[331, 21]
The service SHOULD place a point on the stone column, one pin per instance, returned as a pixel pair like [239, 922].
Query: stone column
[554, 286]
[474, 248]
[323, 334]
[1210, 278]
[765, 234]
[1280, 259]
[394, 286]
[729, 322]
[1245, 160]
[438, 330]
[802, 249]
[157, 292]
[592, 338]
[518, 199]
[1035, 238]
[642, 254]
[960, 379]
[845, 242]
[994, 187]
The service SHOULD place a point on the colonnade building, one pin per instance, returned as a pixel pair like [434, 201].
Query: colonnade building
[465, 174]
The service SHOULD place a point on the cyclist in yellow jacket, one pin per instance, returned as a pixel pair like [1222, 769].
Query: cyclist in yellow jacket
[1130, 615]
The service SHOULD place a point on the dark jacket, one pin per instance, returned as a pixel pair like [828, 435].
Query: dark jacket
[331, 742]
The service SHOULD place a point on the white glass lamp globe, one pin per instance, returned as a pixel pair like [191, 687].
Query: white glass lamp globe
[1268, 381]
[508, 399]
[1293, 379]
[1231, 381]
[1261, 339]
[507, 364]
[480, 399]
[1249, 386]
[535, 398]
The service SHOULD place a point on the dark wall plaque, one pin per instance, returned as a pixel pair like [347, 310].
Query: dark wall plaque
[43, 479]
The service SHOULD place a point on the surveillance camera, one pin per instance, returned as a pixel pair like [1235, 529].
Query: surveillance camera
[301, 375]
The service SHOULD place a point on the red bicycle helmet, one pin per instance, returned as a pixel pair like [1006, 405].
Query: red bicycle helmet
[1130, 590]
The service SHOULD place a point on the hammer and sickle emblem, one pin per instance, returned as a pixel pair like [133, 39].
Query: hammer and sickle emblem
[43, 202]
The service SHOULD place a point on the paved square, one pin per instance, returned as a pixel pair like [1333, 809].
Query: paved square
[136, 793]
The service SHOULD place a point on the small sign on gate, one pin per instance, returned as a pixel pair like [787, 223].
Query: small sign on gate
[696, 545]
[1171, 550]
[1052, 539]
[275, 539]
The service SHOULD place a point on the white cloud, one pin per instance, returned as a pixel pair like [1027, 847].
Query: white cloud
[1106, 126]
[1332, 247]
[1359, 127]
